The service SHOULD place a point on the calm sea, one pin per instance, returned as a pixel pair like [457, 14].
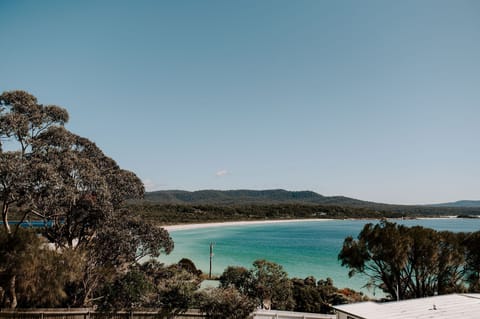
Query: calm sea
[303, 248]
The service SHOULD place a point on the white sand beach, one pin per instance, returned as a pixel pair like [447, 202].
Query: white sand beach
[239, 223]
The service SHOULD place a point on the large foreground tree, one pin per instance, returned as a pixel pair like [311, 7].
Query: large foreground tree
[406, 262]
[51, 174]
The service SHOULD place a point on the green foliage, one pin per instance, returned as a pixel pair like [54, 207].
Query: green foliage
[271, 285]
[266, 283]
[406, 262]
[188, 265]
[225, 303]
[117, 247]
[307, 296]
[26, 259]
[124, 239]
[217, 197]
[318, 297]
[67, 181]
[239, 277]
[174, 214]
[22, 121]
[126, 292]
[173, 287]
[279, 197]
[150, 285]
[171, 212]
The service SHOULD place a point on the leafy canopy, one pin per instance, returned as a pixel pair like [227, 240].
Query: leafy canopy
[52, 174]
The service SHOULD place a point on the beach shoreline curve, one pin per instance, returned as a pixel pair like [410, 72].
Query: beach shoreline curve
[239, 223]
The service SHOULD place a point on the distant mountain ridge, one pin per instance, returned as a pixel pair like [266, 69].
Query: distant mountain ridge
[460, 203]
[244, 196]
[281, 196]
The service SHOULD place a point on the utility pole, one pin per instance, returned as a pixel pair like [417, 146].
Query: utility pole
[211, 257]
[398, 296]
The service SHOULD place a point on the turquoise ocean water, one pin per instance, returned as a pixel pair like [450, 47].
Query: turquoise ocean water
[302, 248]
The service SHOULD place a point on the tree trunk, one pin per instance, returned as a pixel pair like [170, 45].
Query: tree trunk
[5, 218]
[11, 294]
[2, 295]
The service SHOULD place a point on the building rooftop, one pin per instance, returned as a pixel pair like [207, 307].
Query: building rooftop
[461, 306]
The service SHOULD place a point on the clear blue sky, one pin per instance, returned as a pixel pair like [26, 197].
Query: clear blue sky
[377, 100]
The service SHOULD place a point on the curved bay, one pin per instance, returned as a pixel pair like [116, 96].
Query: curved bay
[302, 248]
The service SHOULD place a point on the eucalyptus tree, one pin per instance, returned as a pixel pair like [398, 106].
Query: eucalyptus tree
[88, 187]
[272, 285]
[307, 296]
[50, 173]
[406, 262]
[238, 277]
[22, 120]
[266, 282]
[172, 288]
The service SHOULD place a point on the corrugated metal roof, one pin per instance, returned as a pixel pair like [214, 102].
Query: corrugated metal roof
[454, 306]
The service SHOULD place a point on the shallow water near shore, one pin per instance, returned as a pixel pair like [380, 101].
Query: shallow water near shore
[303, 248]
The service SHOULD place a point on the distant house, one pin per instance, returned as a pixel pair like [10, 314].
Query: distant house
[454, 306]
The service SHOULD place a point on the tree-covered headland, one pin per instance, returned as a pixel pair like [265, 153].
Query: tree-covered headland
[218, 206]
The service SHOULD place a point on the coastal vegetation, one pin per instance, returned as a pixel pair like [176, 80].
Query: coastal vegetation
[279, 197]
[65, 180]
[165, 214]
[173, 207]
[269, 286]
[413, 262]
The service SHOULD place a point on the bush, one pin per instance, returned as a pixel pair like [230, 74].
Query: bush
[225, 303]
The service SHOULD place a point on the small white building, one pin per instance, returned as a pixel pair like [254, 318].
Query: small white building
[454, 306]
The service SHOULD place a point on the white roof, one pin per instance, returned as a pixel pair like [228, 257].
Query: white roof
[270, 314]
[454, 306]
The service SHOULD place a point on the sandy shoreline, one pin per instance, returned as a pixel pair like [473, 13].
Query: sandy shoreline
[239, 223]
[273, 221]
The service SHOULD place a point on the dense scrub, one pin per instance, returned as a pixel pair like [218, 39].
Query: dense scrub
[172, 214]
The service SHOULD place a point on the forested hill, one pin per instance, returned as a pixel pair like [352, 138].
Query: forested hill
[460, 203]
[245, 197]
[288, 198]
